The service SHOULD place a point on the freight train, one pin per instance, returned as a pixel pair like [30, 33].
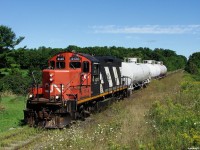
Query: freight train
[76, 84]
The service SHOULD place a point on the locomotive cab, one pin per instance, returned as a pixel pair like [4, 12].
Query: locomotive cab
[67, 77]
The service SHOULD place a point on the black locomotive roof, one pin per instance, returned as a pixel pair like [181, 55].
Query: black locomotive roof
[91, 58]
[108, 59]
[103, 59]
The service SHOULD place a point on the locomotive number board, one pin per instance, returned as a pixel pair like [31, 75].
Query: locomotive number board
[75, 58]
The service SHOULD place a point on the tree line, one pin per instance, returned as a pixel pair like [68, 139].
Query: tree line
[193, 65]
[17, 65]
[24, 58]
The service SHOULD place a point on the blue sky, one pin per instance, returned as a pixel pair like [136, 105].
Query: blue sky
[168, 24]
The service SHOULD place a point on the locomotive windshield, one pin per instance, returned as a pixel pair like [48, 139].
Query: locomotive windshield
[57, 65]
[60, 65]
[75, 65]
[86, 66]
[52, 64]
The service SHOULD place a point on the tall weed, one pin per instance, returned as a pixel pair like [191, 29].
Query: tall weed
[176, 121]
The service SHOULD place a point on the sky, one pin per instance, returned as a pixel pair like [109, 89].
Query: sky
[167, 24]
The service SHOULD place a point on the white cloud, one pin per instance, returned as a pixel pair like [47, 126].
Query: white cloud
[147, 29]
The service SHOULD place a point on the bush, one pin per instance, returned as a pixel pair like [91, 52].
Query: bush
[15, 83]
[193, 64]
[176, 121]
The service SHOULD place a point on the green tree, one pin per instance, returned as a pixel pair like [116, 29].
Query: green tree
[193, 64]
[8, 39]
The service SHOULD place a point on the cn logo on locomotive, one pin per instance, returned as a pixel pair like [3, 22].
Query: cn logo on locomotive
[52, 87]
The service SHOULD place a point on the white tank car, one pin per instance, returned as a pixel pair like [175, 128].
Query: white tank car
[138, 74]
[154, 68]
[163, 68]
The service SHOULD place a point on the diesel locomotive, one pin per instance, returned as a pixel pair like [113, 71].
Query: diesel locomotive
[74, 85]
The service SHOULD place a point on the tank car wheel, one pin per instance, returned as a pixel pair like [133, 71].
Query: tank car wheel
[144, 85]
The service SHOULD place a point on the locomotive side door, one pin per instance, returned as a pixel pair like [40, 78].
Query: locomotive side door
[85, 81]
[95, 88]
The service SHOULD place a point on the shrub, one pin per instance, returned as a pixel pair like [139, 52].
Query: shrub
[15, 83]
[176, 121]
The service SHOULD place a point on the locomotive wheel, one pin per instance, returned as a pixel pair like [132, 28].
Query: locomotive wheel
[144, 85]
[84, 112]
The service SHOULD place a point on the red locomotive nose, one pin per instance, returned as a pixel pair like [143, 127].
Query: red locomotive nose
[55, 83]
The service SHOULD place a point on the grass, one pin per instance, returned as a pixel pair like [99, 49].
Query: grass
[11, 112]
[165, 115]
[175, 120]
[124, 125]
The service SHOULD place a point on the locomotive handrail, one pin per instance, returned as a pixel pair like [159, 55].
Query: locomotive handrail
[49, 93]
[72, 93]
[33, 76]
[37, 93]
[70, 82]
[60, 92]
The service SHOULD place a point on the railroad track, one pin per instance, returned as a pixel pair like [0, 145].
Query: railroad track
[19, 138]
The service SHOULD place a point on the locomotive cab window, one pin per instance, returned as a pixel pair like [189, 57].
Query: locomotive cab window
[95, 77]
[52, 64]
[75, 65]
[96, 69]
[60, 65]
[86, 66]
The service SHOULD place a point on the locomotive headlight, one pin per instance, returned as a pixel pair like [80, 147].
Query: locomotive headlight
[57, 97]
[31, 96]
[51, 75]
[51, 79]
